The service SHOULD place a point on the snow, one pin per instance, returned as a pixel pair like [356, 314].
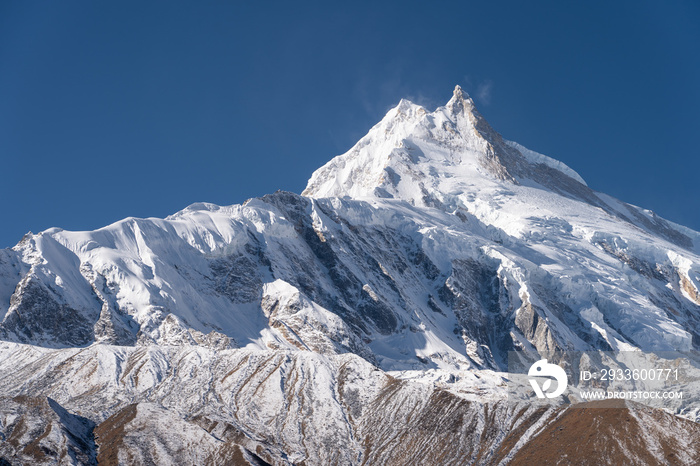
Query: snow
[535, 158]
[383, 257]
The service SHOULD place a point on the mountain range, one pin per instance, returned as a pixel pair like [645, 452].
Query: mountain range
[369, 320]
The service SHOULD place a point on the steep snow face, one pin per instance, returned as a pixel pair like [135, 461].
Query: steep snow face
[431, 158]
[453, 160]
[425, 253]
[410, 155]
[453, 248]
[537, 158]
[405, 287]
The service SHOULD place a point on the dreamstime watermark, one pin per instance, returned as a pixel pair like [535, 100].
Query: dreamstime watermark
[541, 369]
[592, 395]
[669, 380]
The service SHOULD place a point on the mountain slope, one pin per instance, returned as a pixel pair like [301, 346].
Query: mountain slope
[440, 210]
[420, 259]
[287, 407]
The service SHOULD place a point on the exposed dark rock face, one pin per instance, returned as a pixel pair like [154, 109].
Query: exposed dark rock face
[37, 314]
[367, 322]
[37, 430]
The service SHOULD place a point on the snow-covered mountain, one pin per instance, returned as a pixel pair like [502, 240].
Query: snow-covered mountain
[396, 283]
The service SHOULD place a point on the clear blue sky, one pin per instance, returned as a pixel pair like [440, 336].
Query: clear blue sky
[116, 109]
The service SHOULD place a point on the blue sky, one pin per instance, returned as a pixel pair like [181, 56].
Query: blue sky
[116, 109]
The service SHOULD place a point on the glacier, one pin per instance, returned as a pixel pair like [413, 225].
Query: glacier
[407, 270]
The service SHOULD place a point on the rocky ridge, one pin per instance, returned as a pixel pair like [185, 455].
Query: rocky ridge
[375, 311]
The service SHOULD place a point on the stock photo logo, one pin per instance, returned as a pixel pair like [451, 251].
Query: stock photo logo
[543, 370]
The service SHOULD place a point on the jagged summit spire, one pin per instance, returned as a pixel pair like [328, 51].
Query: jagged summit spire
[459, 93]
[425, 157]
[460, 101]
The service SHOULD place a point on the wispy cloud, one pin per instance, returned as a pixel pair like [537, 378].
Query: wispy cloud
[379, 91]
[484, 91]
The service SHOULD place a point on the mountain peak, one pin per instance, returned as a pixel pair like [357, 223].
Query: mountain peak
[439, 159]
[460, 100]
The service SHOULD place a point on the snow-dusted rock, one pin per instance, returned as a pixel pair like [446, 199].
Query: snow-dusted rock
[397, 283]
